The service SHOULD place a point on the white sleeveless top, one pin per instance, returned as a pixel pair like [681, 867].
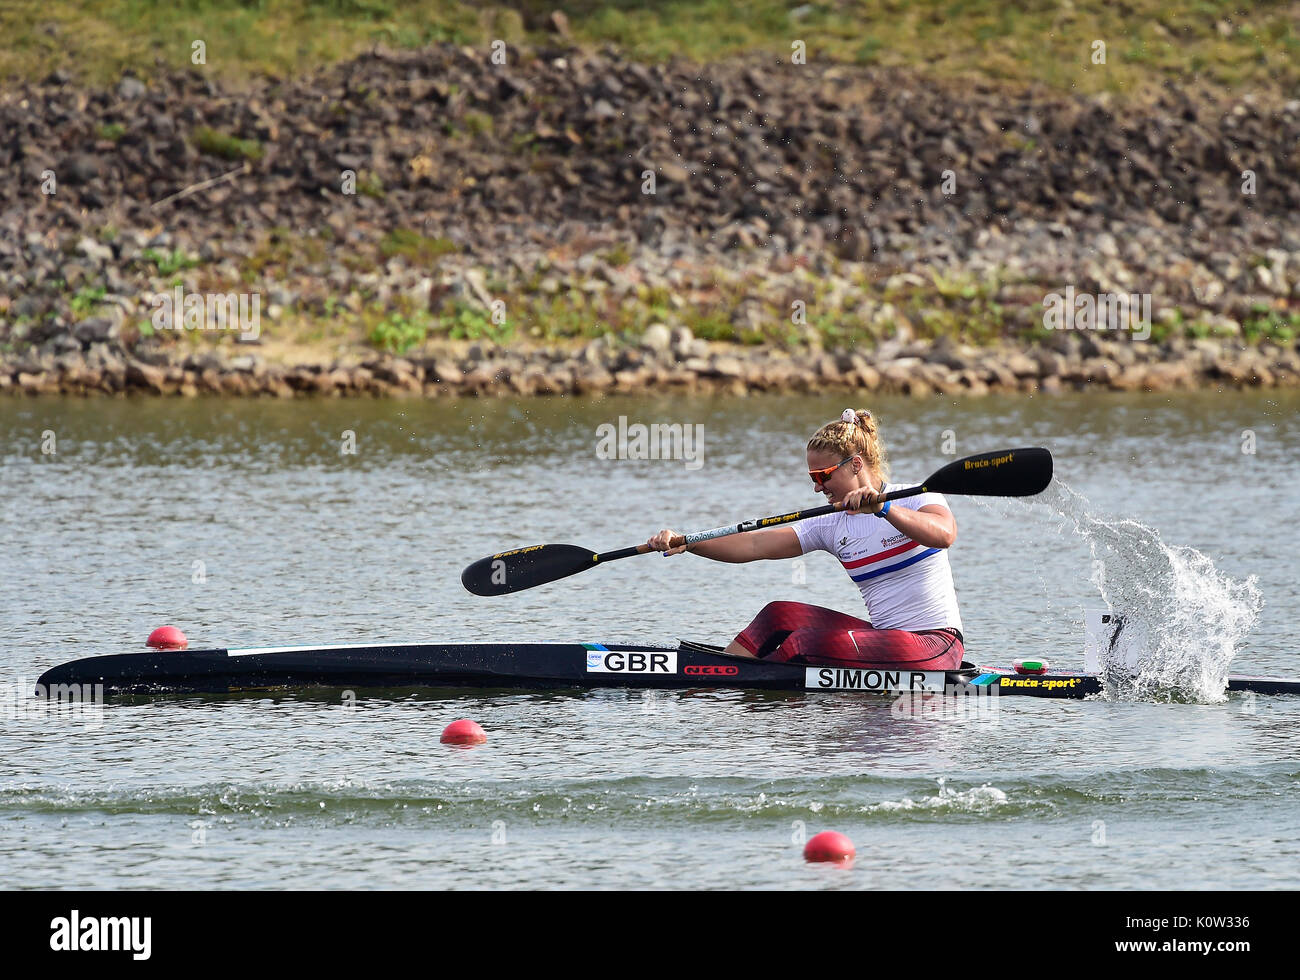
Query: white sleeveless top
[906, 586]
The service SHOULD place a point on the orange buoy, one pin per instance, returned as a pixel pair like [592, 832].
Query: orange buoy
[167, 638]
[464, 732]
[829, 845]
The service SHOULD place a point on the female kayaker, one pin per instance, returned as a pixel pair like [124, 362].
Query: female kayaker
[896, 553]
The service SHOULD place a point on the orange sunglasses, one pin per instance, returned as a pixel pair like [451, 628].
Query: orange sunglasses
[819, 477]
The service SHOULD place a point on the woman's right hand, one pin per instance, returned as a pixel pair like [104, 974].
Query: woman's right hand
[659, 542]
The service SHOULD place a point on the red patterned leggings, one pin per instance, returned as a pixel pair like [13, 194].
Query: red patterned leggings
[796, 632]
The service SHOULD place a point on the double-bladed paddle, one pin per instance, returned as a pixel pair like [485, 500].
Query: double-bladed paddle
[1006, 473]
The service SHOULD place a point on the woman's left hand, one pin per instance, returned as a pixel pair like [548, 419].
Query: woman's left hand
[864, 501]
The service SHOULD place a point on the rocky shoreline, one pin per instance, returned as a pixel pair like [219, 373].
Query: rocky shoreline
[499, 219]
[673, 361]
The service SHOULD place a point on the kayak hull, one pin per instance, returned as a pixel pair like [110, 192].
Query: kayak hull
[686, 665]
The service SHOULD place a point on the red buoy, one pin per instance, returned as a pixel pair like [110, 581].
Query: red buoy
[167, 638]
[464, 732]
[829, 845]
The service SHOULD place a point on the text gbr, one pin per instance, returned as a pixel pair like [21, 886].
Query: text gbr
[615, 662]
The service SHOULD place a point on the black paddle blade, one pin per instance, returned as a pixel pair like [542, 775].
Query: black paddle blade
[514, 571]
[1004, 473]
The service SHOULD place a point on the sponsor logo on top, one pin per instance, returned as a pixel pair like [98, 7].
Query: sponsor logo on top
[1043, 683]
[994, 462]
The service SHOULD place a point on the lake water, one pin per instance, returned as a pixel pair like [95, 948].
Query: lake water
[243, 523]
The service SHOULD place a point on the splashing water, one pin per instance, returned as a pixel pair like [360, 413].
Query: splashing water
[1188, 615]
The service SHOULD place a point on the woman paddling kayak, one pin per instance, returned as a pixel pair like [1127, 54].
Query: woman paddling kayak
[895, 551]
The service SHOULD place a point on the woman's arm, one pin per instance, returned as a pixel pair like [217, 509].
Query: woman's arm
[774, 542]
[932, 526]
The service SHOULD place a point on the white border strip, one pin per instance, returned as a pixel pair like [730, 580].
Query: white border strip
[257, 651]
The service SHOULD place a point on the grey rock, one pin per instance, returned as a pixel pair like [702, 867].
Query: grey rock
[96, 330]
[657, 337]
[79, 169]
[27, 305]
[131, 88]
[97, 252]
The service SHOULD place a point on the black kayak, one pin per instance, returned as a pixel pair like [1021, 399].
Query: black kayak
[685, 665]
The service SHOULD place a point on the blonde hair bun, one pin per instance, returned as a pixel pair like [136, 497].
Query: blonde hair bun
[854, 433]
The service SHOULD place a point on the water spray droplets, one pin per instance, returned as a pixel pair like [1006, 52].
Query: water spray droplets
[1189, 615]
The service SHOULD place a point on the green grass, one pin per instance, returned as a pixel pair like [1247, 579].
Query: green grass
[465, 322]
[168, 263]
[618, 255]
[1148, 42]
[397, 333]
[221, 144]
[283, 252]
[1265, 323]
[370, 185]
[85, 300]
[415, 247]
[478, 123]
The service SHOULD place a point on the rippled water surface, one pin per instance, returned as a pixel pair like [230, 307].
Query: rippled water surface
[243, 523]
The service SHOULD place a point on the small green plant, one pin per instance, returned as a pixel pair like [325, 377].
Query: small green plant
[85, 300]
[868, 52]
[471, 323]
[168, 263]
[713, 325]
[398, 333]
[414, 246]
[224, 145]
[370, 185]
[111, 131]
[478, 123]
[618, 255]
[1265, 323]
[360, 9]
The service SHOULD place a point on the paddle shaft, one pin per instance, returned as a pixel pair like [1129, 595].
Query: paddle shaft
[756, 524]
[1005, 473]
